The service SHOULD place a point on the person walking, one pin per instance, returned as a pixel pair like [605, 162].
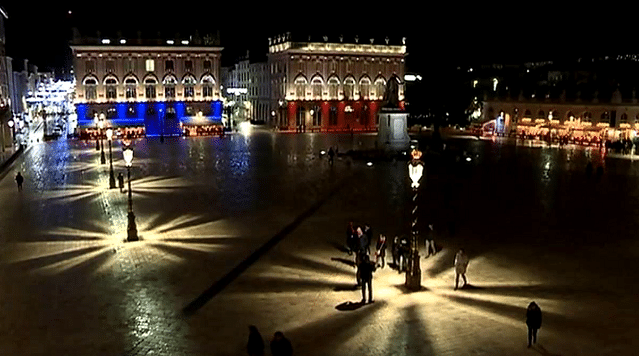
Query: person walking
[430, 241]
[121, 181]
[363, 240]
[461, 264]
[19, 180]
[380, 249]
[533, 321]
[255, 345]
[331, 155]
[280, 345]
[365, 270]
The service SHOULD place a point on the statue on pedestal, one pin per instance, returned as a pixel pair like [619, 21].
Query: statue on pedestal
[391, 95]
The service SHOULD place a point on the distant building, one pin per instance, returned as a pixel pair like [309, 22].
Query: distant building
[254, 77]
[158, 84]
[6, 79]
[322, 83]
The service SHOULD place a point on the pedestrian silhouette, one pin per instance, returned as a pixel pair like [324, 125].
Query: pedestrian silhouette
[365, 270]
[255, 345]
[331, 155]
[19, 180]
[380, 251]
[533, 321]
[121, 181]
[461, 264]
[280, 345]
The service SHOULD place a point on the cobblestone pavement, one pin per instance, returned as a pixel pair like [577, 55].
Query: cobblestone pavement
[535, 226]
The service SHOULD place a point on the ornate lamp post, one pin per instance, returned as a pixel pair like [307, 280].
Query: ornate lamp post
[414, 272]
[131, 230]
[102, 158]
[109, 134]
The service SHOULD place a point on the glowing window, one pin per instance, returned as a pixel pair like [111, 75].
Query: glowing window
[150, 65]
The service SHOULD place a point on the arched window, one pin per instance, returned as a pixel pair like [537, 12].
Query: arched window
[169, 86]
[333, 88]
[317, 86]
[301, 115]
[111, 83]
[316, 112]
[349, 88]
[300, 87]
[624, 118]
[189, 82]
[555, 115]
[130, 85]
[570, 116]
[364, 88]
[541, 114]
[207, 85]
[380, 87]
[527, 114]
[90, 88]
[149, 87]
[587, 117]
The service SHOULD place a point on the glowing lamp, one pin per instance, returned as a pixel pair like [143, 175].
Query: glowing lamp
[415, 168]
[101, 124]
[109, 134]
[10, 123]
[127, 152]
[416, 154]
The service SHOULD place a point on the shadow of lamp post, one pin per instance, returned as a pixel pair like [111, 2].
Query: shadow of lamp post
[414, 272]
[109, 134]
[131, 230]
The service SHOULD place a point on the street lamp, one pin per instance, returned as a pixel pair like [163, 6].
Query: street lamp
[109, 134]
[97, 129]
[131, 230]
[414, 272]
[102, 158]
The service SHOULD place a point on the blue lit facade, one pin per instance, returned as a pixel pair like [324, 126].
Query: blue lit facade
[158, 85]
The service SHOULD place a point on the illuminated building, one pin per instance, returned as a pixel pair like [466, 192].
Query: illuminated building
[6, 78]
[331, 83]
[158, 84]
[255, 78]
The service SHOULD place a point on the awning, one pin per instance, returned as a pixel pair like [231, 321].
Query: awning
[127, 122]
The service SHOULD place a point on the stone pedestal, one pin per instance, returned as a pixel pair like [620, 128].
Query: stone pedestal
[393, 130]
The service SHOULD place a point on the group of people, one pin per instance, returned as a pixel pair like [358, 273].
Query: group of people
[280, 345]
[358, 241]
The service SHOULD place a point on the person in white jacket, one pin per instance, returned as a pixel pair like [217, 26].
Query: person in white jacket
[461, 264]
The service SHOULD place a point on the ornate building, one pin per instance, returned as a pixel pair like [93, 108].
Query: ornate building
[156, 84]
[331, 83]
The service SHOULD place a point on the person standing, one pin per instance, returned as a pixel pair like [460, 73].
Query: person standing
[351, 238]
[19, 180]
[121, 181]
[461, 264]
[380, 250]
[331, 155]
[533, 321]
[430, 241]
[255, 345]
[280, 345]
[363, 240]
[368, 232]
[365, 270]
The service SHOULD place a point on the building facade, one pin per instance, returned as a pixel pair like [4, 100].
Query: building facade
[6, 79]
[160, 85]
[322, 83]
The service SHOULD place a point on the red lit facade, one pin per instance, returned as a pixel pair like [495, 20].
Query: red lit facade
[331, 85]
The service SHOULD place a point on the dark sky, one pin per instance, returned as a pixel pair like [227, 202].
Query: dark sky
[448, 34]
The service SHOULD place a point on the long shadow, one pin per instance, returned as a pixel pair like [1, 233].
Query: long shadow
[182, 251]
[55, 258]
[310, 265]
[339, 247]
[445, 259]
[411, 335]
[325, 336]
[536, 291]
[222, 283]
[265, 284]
[542, 350]
[344, 261]
[349, 306]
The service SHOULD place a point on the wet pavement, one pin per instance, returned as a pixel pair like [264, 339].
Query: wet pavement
[246, 230]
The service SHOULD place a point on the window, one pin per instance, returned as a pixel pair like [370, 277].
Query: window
[380, 88]
[130, 85]
[301, 115]
[300, 88]
[150, 65]
[111, 92]
[316, 86]
[364, 88]
[333, 88]
[168, 65]
[207, 86]
[189, 83]
[317, 116]
[207, 65]
[349, 88]
[169, 86]
[188, 66]
[332, 116]
[149, 88]
[90, 66]
[110, 66]
[541, 114]
[129, 65]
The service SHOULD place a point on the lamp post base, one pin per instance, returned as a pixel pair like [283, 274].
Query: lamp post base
[102, 158]
[131, 230]
[111, 179]
[414, 272]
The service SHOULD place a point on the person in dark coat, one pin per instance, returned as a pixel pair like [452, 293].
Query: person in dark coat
[351, 238]
[19, 180]
[365, 270]
[380, 249]
[255, 346]
[331, 155]
[368, 232]
[363, 240]
[280, 346]
[121, 181]
[533, 321]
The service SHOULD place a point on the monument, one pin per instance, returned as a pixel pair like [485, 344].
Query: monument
[392, 134]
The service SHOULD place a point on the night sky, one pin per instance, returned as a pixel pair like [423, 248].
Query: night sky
[442, 35]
